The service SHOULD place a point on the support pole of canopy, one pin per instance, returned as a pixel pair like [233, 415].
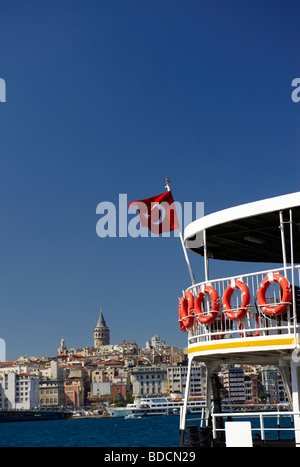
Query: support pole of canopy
[295, 394]
[167, 182]
[283, 242]
[293, 274]
[206, 266]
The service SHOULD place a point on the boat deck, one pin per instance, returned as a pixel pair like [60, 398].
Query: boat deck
[256, 338]
[247, 319]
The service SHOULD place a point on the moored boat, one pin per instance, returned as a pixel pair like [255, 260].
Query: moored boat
[150, 406]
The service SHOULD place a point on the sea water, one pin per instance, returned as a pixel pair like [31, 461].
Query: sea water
[96, 432]
[153, 431]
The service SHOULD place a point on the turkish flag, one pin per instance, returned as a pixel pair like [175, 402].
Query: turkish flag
[158, 213]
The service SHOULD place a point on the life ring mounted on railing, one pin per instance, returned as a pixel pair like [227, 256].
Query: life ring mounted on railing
[192, 309]
[241, 312]
[286, 295]
[186, 311]
[214, 309]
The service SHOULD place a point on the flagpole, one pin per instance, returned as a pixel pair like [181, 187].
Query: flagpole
[167, 182]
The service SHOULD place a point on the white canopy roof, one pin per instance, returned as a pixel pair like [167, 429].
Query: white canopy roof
[248, 232]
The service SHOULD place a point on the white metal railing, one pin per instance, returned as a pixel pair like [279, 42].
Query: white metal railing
[255, 322]
[261, 416]
[204, 416]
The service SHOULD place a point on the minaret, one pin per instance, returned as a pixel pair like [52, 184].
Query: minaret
[101, 332]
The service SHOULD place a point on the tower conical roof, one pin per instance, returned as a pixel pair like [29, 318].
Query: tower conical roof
[101, 321]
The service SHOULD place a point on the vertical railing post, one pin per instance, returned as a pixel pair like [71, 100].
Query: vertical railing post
[293, 276]
[214, 426]
[262, 428]
[185, 403]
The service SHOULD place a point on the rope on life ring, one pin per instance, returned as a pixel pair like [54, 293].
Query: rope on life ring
[240, 313]
[186, 311]
[213, 311]
[278, 308]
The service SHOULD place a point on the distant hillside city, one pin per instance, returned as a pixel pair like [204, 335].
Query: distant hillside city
[105, 374]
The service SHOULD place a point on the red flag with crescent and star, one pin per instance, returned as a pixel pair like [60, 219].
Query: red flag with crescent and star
[158, 213]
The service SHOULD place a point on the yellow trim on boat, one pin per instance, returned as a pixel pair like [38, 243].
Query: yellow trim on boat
[242, 344]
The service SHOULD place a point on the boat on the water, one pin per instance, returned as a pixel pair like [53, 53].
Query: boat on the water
[246, 318]
[149, 406]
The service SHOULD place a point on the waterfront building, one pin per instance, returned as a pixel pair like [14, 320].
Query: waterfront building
[177, 376]
[74, 392]
[282, 395]
[51, 392]
[273, 385]
[101, 332]
[234, 383]
[119, 391]
[19, 391]
[100, 389]
[252, 390]
[149, 381]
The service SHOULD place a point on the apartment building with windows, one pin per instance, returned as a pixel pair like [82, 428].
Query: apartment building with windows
[52, 392]
[234, 383]
[273, 385]
[19, 391]
[149, 381]
[177, 376]
[74, 389]
[251, 389]
[158, 380]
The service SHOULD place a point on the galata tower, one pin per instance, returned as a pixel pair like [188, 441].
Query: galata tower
[101, 332]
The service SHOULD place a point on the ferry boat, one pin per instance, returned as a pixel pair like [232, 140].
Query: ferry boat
[146, 406]
[246, 318]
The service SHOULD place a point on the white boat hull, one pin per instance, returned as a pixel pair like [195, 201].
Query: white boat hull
[119, 412]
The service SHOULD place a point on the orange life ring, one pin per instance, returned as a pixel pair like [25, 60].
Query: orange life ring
[285, 286]
[236, 315]
[186, 310]
[214, 311]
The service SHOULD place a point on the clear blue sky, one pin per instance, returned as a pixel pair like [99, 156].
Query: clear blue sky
[107, 97]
